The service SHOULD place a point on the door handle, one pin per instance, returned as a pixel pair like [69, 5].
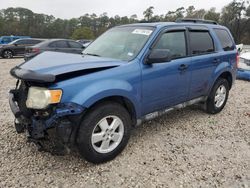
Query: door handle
[183, 67]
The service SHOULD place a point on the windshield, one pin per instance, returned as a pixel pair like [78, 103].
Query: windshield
[123, 43]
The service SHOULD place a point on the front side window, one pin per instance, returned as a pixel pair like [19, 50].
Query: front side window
[175, 42]
[201, 42]
[123, 43]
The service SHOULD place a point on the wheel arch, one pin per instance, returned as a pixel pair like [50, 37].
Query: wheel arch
[123, 101]
[228, 76]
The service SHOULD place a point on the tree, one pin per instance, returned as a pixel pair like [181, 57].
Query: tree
[21, 21]
[133, 18]
[148, 13]
[172, 16]
[83, 33]
[233, 17]
[190, 11]
[212, 15]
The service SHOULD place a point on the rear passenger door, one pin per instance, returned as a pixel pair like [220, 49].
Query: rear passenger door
[205, 59]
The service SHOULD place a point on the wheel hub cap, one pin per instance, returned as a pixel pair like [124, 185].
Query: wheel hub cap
[107, 134]
[220, 96]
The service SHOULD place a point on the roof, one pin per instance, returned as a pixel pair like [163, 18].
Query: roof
[165, 24]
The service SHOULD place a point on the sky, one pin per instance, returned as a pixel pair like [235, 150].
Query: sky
[66, 9]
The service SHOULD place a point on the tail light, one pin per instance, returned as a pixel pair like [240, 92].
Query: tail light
[237, 60]
[35, 50]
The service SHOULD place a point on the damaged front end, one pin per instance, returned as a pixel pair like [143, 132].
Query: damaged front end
[52, 129]
[53, 123]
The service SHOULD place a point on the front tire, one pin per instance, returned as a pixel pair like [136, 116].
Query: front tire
[8, 54]
[104, 132]
[218, 96]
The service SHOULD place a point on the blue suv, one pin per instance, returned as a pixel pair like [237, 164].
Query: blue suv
[130, 74]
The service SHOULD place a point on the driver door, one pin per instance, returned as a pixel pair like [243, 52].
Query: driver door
[166, 84]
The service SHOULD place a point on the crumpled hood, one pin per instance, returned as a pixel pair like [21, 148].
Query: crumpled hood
[48, 65]
[57, 63]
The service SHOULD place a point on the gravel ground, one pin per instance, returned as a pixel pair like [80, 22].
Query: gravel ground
[186, 148]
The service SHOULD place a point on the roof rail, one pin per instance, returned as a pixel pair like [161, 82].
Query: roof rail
[193, 20]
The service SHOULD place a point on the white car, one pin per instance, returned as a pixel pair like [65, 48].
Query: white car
[244, 66]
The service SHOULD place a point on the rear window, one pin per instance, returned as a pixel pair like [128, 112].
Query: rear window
[225, 39]
[201, 42]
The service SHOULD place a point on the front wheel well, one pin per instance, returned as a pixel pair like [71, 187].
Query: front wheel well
[123, 101]
[228, 77]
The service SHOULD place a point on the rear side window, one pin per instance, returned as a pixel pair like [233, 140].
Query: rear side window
[74, 45]
[201, 42]
[59, 44]
[175, 42]
[225, 39]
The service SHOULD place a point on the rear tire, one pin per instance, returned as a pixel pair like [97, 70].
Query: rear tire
[104, 132]
[218, 96]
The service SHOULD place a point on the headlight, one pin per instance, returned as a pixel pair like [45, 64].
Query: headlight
[40, 98]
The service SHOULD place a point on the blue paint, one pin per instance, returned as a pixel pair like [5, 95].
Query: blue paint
[148, 87]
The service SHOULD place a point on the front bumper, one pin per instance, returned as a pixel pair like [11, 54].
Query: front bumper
[55, 128]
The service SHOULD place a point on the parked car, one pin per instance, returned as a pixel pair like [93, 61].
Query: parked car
[244, 67]
[8, 39]
[56, 45]
[17, 47]
[129, 75]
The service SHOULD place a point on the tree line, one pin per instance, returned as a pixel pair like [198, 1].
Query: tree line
[22, 21]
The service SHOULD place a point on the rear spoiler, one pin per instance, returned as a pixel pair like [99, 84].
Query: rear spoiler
[31, 76]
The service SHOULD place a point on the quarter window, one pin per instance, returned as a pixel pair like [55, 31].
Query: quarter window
[175, 42]
[225, 40]
[201, 42]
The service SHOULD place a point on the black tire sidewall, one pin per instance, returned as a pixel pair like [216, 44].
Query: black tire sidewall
[88, 124]
[211, 108]
[8, 51]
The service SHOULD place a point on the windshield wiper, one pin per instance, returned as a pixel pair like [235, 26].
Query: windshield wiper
[92, 54]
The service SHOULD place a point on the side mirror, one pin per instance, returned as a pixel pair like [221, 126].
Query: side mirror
[158, 56]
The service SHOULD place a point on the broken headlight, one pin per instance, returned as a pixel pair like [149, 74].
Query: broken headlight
[40, 98]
